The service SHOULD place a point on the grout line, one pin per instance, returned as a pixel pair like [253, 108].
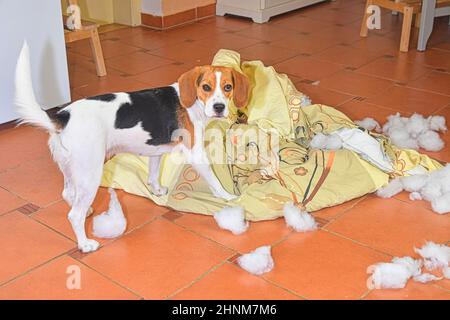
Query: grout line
[3, 284]
[196, 279]
[109, 278]
[365, 294]
[358, 243]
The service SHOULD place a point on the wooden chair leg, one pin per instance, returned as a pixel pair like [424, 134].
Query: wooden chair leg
[406, 28]
[97, 52]
[364, 28]
[417, 20]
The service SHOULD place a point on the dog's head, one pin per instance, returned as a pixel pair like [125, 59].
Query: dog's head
[214, 87]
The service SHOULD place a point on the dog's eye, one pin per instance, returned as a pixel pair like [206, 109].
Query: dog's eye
[206, 88]
[228, 87]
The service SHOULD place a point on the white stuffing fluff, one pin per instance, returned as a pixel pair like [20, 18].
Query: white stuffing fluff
[300, 221]
[436, 256]
[232, 219]
[393, 275]
[258, 261]
[394, 187]
[112, 223]
[433, 187]
[446, 272]
[369, 124]
[437, 123]
[415, 196]
[426, 277]
[416, 131]
[326, 142]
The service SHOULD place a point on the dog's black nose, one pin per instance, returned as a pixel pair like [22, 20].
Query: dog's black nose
[219, 107]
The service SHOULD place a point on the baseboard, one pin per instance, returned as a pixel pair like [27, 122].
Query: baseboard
[177, 19]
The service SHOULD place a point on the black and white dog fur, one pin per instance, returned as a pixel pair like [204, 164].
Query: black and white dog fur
[86, 132]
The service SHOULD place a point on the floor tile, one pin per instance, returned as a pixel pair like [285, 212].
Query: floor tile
[358, 110]
[137, 62]
[188, 52]
[347, 55]
[438, 82]
[110, 48]
[412, 291]
[38, 181]
[378, 44]
[409, 100]
[216, 285]
[266, 32]
[9, 201]
[355, 84]
[308, 68]
[26, 244]
[336, 211]
[433, 58]
[157, 259]
[393, 69]
[49, 282]
[258, 234]
[20, 145]
[391, 226]
[306, 43]
[321, 95]
[163, 76]
[231, 23]
[300, 24]
[319, 265]
[137, 211]
[111, 84]
[227, 41]
[269, 55]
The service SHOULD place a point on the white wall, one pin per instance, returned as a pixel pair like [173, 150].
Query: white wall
[153, 7]
[40, 23]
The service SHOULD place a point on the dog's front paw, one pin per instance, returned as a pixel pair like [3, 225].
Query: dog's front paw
[158, 190]
[88, 245]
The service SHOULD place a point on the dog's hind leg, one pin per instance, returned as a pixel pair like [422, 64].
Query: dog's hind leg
[154, 168]
[86, 174]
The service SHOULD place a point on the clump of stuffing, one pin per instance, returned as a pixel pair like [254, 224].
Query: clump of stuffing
[393, 275]
[257, 262]
[300, 221]
[326, 142]
[232, 219]
[426, 277]
[436, 256]
[369, 124]
[394, 187]
[446, 273]
[415, 132]
[112, 223]
[433, 187]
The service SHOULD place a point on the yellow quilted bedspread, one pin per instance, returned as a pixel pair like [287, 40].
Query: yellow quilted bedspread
[314, 179]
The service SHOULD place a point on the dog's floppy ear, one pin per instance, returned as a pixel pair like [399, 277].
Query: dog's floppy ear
[188, 83]
[241, 92]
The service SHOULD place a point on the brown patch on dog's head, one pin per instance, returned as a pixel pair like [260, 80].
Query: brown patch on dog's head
[201, 83]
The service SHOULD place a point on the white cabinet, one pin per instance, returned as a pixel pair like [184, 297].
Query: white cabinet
[40, 23]
[260, 10]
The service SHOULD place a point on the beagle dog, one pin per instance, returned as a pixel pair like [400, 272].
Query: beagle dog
[84, 133]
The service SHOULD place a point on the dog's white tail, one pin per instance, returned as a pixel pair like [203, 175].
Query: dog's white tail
[25, 101]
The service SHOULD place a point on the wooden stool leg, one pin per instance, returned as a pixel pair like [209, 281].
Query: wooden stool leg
[97, 52]
[406, 28]
[364, 28]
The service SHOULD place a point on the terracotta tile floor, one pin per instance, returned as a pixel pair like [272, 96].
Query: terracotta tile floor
[170, 255]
